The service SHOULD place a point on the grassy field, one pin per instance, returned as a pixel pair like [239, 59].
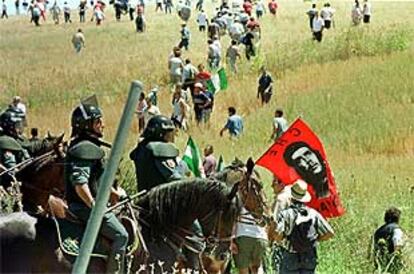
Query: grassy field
[355, 90]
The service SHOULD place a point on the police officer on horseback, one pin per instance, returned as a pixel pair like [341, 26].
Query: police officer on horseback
[83, 168]
[155, 160]
[155, 157]
[11, 150]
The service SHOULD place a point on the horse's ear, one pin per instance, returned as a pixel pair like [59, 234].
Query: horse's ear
[49, 136]
[233, 191]
[60, 138]
[250, 165]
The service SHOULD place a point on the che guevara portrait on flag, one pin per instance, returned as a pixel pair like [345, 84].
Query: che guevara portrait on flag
[299, 154]
[310, 166]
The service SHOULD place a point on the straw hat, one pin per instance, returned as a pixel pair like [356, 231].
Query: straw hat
[299, 191]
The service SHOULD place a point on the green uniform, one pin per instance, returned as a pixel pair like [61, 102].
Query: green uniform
[84, 165]
[155, 164]
[11, 153]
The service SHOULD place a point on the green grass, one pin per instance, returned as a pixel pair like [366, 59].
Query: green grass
[355, 90]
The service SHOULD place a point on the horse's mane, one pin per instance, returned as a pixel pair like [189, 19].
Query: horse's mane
[173, 203]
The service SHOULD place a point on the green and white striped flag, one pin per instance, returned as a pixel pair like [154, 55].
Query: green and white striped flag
[218, 81]
[192, 157]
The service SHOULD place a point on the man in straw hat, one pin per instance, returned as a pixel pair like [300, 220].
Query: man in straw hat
[301, 227]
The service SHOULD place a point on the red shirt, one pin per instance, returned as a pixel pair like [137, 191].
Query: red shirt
[252, 25]
[247, 6]
[273, 5]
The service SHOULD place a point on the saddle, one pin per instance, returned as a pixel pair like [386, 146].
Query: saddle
[70, 232]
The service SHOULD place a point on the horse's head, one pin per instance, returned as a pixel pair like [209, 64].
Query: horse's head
[55, 143]
[217, 225]
[250, 187]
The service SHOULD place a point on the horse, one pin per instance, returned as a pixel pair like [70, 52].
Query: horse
[42, 176]
[165, 214]
[36, 178]
[250, 189]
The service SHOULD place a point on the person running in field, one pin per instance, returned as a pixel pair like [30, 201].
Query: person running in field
[388, 242]
[78, 40]
[158, 5]
[356, 13]
[280, 125]
[311, 14]
[175, 65]
[202, 21]
[273, 7]
[317, 28]
[185, 37]
[327, 13]
[209, 161]
[66, 12]
[247, 7]
[55, 13]
[260, 9]
[141, 109]
[366, 11]
[82, 11]
[202, 76]
[4, 10]
[232, 54]
[265, 87]
[234, 124]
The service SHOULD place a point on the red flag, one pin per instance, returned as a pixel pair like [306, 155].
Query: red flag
[299, 154]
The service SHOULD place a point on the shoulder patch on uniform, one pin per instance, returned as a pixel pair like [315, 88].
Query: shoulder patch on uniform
[9, 143]
[86, 150]
[160, 149]
[170, 163]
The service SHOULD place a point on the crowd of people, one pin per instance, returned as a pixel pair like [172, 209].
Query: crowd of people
[296, 228]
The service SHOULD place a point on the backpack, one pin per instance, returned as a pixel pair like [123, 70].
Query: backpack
[385, 257]
[303, 236]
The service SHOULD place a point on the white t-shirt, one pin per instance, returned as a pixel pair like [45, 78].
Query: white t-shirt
[398, 237]
[247, 227]
[175, 65]
[318, 24]
[202, 19]
[22, 107]
[236, 28]
[326, 13]
[367, 8]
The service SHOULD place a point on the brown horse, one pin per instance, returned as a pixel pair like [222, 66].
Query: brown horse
[216, 258]
[42, 180]
[166, 213]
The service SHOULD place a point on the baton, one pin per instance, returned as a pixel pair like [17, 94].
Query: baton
[127, 200]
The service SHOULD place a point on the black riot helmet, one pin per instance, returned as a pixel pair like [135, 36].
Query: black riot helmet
[157, 127]
[11, 123]
[84, 115]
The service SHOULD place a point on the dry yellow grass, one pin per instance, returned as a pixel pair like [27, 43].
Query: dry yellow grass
[361, 107]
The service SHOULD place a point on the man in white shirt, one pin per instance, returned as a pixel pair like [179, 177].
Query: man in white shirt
[317, 27]
[327, 13]
[236, 30]
[366, 11]
[250, 244]
[202, 20]
[4, 10]
[175, 65]
[280, 125]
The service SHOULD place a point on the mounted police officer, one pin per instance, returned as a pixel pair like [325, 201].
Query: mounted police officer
[155, 160]
[11, 151]
[155, 157]
[83, 168]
